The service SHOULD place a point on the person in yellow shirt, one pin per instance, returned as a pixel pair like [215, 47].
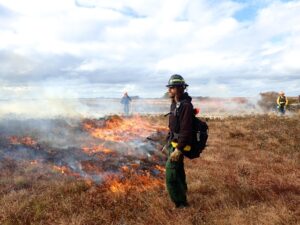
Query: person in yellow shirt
[282, 102]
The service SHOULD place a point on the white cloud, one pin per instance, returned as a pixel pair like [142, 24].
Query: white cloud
[119, 42]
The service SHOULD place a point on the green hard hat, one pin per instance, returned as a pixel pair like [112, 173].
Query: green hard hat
[176, 80]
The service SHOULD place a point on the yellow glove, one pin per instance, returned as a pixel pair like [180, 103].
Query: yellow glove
[174, 157]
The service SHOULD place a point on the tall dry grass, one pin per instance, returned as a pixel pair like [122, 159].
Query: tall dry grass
[249, 174]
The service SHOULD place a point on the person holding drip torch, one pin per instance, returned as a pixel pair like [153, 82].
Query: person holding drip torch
[178, 140]
[282, 102]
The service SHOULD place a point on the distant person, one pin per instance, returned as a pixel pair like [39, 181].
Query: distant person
[282, 102]
[179, 138]
[126, 101]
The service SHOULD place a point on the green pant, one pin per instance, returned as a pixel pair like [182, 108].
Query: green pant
[175, 180]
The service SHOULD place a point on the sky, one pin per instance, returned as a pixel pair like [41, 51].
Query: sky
[100, 48]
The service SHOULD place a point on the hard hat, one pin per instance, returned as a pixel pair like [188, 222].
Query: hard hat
[281, 93]
[176, 80]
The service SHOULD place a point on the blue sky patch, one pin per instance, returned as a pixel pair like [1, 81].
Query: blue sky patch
[130, 12]
[251, 8]
[246, 14]
[5, 12]
[279, 38]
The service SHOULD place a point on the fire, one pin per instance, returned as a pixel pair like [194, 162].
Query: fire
[136, 182]
[119, 155]
[96, 149]
[91, 167]
[65, 171]
[117, 129]
[123, 131]
[125, 169]
[89, 182]
[27, 141]
[34, 162]
[160, 168]
[61, 169]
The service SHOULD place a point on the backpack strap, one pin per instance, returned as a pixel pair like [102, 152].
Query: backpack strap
[176, 114]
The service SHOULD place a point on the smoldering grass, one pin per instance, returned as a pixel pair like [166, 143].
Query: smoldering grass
[249, 178]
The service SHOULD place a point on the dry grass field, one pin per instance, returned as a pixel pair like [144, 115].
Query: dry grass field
[248, 174]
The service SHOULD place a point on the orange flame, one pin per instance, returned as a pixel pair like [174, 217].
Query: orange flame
[96, 149]
[34, 162]
[28, 141]
[117, 129]
[61, 169]
[138, 183]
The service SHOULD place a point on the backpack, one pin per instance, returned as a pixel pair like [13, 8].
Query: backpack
[200, 135]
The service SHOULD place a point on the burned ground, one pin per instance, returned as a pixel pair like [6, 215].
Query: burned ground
[49, 172]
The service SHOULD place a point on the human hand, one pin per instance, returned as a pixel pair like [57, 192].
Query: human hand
[174, 157]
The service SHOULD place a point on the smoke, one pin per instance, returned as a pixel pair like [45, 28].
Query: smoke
[78, 135]
[66, 145]
[101, 107]
[47, 108]
[76, 108]
[217, 107]
[59, 101]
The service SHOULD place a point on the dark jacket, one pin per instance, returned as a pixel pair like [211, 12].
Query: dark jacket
[182, 124]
